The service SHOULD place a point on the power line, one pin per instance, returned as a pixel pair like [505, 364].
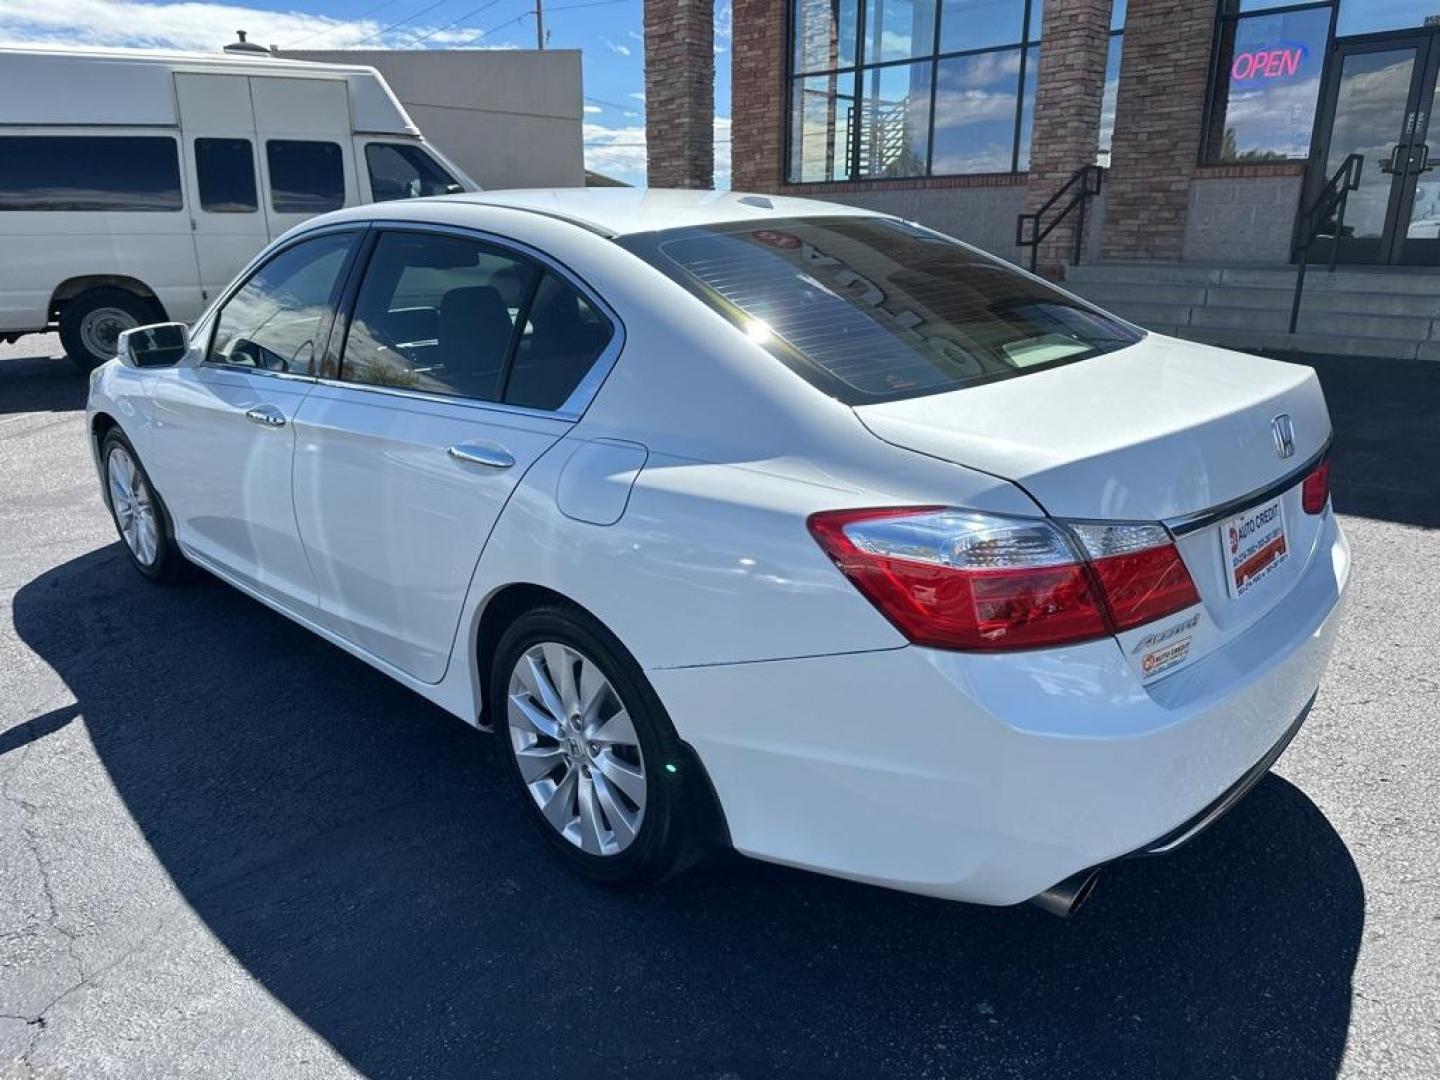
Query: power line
[530, 14]
[340, 25]
[414, 15]
[463, 18]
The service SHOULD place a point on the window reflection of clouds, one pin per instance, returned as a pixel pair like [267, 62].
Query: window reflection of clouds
[1269, 115]
[975, 113]
[1370, 16]
[980, 24]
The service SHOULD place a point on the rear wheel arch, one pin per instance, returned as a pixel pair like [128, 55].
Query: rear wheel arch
[512, 601]
[74, 287]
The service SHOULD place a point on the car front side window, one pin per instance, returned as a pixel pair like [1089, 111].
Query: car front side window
[404, 172]
[277, 319]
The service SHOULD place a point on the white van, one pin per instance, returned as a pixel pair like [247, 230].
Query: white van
[135, 185]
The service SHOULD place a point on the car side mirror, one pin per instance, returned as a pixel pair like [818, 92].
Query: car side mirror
[161, 345]
[453, 189]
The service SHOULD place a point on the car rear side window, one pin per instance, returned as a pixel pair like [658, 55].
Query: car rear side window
[89, 172]
[404, 172]
[278, 319]
[225, 175]
[444, 314]
[305, 177]
[870, 309]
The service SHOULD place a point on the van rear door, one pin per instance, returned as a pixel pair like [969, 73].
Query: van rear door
[222, 175]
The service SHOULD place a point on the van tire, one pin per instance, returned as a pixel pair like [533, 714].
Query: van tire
[90, 322]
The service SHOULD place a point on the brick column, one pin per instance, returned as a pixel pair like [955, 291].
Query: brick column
[1067, 110]
[1164, 75]
[680, 93]
[757, 91]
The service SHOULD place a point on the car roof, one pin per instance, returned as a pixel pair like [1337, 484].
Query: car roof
[626, 211]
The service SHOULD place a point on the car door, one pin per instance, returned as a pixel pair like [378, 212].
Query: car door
[308, 162]
[464, 360]
[224, 445]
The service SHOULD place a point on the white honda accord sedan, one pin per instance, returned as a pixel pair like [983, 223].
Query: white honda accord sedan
[758, 521]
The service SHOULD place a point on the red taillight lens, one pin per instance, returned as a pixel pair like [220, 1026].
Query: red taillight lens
[1315, 492]
[959, 580]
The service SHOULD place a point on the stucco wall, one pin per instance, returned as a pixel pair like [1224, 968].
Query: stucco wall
[1245, 219]
[509, 118]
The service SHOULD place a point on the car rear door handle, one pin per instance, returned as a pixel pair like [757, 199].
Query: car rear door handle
[266, 416]
[485, 455]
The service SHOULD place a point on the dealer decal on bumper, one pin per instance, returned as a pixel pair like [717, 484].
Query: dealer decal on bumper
[1165, 649]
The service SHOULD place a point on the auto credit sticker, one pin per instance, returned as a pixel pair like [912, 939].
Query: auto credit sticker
[1254, 546]
[1165, 650]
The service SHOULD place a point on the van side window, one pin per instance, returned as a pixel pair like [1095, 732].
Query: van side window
[89, 172]
[404, 172]
[436, 314]
[305, 177]
[225, 173]
[278, 318]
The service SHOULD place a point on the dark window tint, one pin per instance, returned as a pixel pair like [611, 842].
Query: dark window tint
[404, 172]
[89, 172]
[564, 336]
[305, 177]
[436, 314]
[277, 320]
[870, 309]
[225, 172]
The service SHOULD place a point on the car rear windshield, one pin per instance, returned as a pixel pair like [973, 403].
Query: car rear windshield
[869, 309]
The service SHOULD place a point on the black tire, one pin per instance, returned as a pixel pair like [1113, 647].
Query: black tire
[168, 565]
[668, 839]
[125, 307]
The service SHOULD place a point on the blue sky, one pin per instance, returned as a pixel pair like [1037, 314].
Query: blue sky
[608, 32]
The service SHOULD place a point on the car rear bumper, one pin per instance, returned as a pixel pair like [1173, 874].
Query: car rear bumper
[991, 778]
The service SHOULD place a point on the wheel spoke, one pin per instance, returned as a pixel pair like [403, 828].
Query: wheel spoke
[119, 481]
[594, 690]
[537, 762]
[617, 731]
[524, 714]
[622, 821]
[534, 679]
[626, 777]
[561, 663]
[589, 818]
[557, 809]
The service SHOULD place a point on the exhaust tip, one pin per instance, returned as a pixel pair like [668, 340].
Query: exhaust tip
[1065, 898]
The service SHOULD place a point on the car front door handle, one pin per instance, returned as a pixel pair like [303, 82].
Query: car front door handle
[266, 416]
[485, 455]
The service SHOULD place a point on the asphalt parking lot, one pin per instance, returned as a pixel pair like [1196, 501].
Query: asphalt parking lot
[228, 849]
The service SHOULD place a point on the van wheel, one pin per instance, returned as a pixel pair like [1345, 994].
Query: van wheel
[91, 324]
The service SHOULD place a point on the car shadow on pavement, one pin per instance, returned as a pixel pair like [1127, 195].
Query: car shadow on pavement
[37, 383]
[1386, 415]
[349, 845]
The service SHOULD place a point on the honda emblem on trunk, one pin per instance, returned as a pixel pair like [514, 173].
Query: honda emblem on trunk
[1284, 432]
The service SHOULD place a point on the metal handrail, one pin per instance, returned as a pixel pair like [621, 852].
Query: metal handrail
[1329, 204]
[1090, 179]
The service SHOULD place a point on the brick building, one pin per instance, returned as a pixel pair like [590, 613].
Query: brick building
[1218, 124]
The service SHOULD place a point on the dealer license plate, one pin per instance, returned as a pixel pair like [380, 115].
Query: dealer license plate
[1254, 546]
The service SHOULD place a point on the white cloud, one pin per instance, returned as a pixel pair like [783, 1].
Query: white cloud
[636, 35]
[639, 95]
[616, 48]
[620, 152]
[204, 26]
[593, 109]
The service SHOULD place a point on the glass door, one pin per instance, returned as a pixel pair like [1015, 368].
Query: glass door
[1378, 105]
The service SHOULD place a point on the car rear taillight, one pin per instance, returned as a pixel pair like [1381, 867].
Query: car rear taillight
[954, 579]
[1315, 491]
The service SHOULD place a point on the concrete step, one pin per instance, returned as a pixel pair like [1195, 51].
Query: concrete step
[1325, 302]
[1144, 273]
[1111, 293]
[1369, 326]
[1409, 281]
[1317, 344]
[1152, 316]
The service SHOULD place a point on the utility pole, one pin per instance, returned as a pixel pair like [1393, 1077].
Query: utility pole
[539, 27]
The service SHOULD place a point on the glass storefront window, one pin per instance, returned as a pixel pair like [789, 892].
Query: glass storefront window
[975, 113]
[899, 29]
[1267, 85]
[861, 94]
[1372, 16]
[895, 121]
[1110, 97]
[824, 34]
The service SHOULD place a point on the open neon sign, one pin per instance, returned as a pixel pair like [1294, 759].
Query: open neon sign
[1281, 62]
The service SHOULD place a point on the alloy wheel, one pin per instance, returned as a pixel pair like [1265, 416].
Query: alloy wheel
[134, 506]
[576, 748]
